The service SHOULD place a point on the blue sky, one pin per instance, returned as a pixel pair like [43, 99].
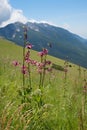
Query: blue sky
[69, 14]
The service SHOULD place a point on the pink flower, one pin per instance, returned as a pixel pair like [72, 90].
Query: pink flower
[27, 55]
[28, 60]
[29, 46]
[41, 53]
[37, 64]
[33, 62]
[40, 65]
[15, 63]
[48, 62]
[24, 69]
[45, 51]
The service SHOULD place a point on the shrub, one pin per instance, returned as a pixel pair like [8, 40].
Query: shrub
[57, 67]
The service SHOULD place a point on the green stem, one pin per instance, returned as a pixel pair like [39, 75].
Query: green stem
[29, 75]
[40, 81]
[44, 71]
[43, 76]
[23, 64]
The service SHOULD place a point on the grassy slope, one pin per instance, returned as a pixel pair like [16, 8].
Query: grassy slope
[66, 97]
[9, 50]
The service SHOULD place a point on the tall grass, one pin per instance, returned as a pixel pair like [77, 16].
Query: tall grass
[64, 96]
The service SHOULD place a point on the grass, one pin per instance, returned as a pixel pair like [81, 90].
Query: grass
[64, 100]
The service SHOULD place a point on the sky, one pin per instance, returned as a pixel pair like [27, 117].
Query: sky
[68, 14]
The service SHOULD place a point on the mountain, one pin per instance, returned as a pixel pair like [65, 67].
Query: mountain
[60, 42]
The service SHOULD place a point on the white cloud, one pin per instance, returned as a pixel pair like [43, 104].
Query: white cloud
[42, 21]
[16, 15]
[10, 15]
[5, 10]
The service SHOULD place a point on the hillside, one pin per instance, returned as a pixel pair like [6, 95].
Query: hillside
[8, 49]
[60, 42]
[9, 52]
[61, 103]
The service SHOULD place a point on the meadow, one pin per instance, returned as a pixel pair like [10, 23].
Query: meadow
[56, 100]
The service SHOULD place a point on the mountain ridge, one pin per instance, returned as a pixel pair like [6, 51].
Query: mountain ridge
[64, 44]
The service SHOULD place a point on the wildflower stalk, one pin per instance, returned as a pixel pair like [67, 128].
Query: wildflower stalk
[25, 39]
[40, 82]
[44, 69]
[29, 75]
[23, 65]
[65, 70]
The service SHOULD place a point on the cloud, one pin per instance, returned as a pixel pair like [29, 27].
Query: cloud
[42, 21]
[5, 10]
[10, 15]
[16, 15]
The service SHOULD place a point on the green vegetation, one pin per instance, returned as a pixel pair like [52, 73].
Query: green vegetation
[60, 104]
[57, 67]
